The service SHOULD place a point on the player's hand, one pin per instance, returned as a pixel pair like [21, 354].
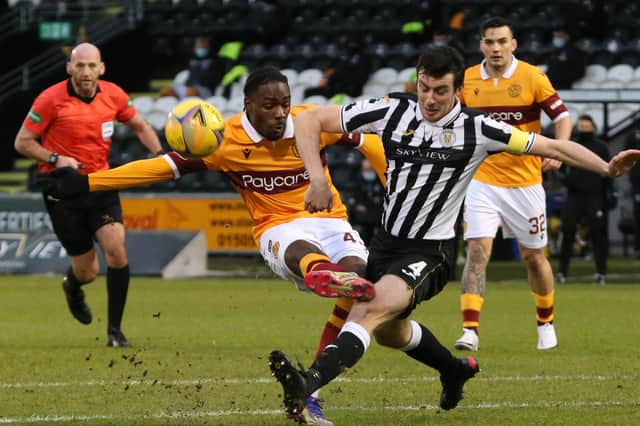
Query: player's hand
[64, 161]
[65, 182]
[318, 198]
[549, 164]
[623, 161]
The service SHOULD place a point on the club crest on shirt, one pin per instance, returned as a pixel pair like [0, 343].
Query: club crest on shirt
[275, 248]
[448, 137]
[514, 90]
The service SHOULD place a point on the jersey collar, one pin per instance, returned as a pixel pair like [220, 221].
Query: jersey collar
[71, 92]
[507, 74]
[257, 137]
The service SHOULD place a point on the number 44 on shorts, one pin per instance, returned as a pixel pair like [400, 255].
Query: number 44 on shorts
[414, 270]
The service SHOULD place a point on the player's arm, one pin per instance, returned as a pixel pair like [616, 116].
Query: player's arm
[145, 133]
[570, 153]
[66, 182]
[308, 126]
[27, 143]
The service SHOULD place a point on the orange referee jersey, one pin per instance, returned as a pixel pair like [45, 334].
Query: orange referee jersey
[517, 97]
[269, 175]
[79, 128]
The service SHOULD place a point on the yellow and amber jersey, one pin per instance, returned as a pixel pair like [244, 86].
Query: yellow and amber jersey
[269, 175]
[517, 97]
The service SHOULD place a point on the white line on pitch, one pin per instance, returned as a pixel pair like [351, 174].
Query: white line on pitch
[250, 381]
[224, 413]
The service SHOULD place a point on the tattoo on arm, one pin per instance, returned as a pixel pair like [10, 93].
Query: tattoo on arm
[474, 276]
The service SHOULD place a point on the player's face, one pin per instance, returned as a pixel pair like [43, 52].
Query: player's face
[85, 68]
[268, 109]
[497, 46]
[436, 96]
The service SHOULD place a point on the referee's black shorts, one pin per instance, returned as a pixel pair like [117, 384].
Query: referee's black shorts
[422, 264]
[75, 221]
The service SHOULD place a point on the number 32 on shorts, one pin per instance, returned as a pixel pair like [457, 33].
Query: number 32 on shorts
[538, 225]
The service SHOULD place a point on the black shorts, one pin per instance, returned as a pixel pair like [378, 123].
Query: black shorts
[75, 221]
[422, 264]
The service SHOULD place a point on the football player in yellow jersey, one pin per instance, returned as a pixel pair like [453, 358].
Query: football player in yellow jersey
[258, 154]
[507, 190]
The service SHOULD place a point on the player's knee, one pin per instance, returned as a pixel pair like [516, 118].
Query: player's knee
[533, 258]
[116, 257]
[86, 274]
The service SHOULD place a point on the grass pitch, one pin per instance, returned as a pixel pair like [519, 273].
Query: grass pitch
[200, 348]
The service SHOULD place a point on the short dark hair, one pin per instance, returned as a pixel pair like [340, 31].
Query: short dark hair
[436, 61]
[587, 117]
[495, 22]
[263, 75]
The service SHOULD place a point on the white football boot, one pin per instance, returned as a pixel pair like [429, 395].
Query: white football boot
[546, 337]
[469, 341]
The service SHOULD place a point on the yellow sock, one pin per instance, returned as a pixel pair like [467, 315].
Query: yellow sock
[544, 307]
[310, 261]
[471, 305]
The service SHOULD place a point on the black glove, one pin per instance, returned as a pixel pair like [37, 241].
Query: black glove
[65, 182]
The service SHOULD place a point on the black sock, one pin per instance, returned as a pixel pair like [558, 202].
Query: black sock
[345, 351]
[117, 288]
[72, 279]
[431, 352]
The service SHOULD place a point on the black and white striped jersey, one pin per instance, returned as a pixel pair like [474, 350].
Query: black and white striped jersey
[429, 165]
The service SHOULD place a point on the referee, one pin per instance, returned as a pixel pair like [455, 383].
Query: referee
[70, 124]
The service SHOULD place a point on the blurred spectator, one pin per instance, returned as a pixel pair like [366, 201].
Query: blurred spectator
[586, 195]
[443, 37]
[348, 76]
[565, 62]
[633, 142]
[366, 208]
[205, 72]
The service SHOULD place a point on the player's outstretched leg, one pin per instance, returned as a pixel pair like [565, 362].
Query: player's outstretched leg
[293, 381]
[453, 381]
[337, 284]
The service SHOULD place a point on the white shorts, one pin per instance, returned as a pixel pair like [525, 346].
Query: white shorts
[521, 212]
[335, 237]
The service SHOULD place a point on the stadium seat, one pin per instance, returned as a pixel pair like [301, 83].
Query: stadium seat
[143, 103]
[405, 74]
[292, 75]
[621, 72]
[386, 76]
[611, 84]
[218, 101]
[396, 87]
[375, 90]
[310, 77]
[595, 73]
[235, 104]
[156, 119]
[164, 104]
[181, 77]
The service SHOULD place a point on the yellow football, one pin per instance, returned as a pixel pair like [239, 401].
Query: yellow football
[194, 128]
